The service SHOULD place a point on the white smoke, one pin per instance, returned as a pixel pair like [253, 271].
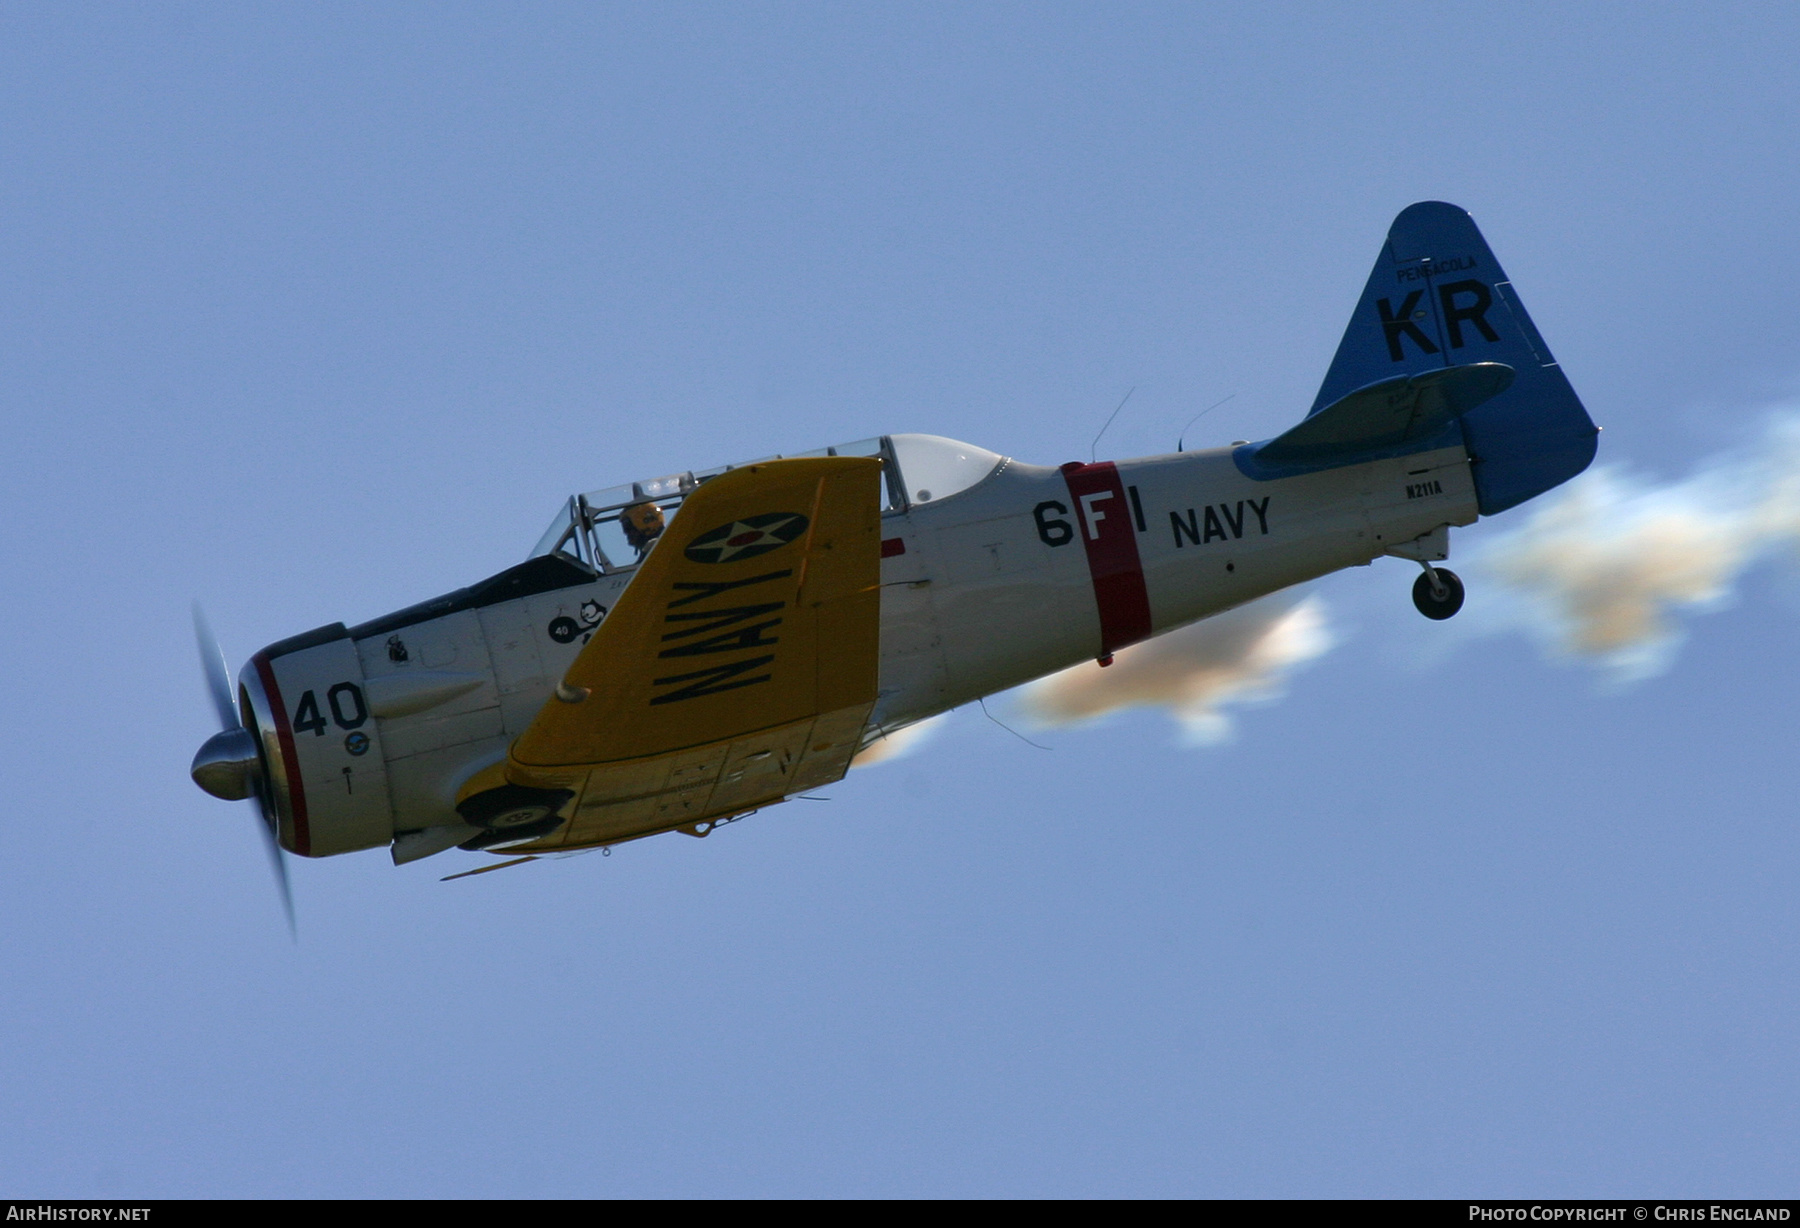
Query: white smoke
[1604, 567]
[899, 743]
[1240, 656]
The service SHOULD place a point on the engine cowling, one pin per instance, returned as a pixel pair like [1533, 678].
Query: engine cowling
[306, 705]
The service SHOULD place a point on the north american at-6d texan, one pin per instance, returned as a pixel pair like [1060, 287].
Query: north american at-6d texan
[678, 652]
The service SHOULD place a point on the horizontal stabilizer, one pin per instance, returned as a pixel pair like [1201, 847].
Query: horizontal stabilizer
[1390, 417]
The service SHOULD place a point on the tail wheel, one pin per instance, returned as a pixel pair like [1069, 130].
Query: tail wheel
[1438, 593]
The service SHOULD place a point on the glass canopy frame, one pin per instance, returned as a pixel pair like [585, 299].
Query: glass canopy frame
[613, 529]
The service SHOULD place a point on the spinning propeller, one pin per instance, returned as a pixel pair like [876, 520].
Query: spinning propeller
[228, 765]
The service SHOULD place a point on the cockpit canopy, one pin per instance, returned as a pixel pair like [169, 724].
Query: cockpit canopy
[613, 528]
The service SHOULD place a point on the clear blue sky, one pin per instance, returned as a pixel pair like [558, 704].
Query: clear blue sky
[313, 312]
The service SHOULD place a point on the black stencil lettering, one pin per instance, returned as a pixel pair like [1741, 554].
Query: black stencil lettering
[1191, 526]
[717, 620]
[1213, 527]
[1394, 324]
[1236, 523]
[701, 591]
[307, 716]
[712, 681]
[730, 641]
[1262, 512]
[1137, 508]
[336, 694]
[1051, 531]
[1475, 313]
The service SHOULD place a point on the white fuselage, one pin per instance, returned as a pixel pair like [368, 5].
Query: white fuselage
[981, 600]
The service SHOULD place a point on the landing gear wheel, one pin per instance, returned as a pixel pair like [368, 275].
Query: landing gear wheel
[512, 812]
[1440, 600]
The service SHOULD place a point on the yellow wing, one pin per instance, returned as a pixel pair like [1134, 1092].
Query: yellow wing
[738, 667]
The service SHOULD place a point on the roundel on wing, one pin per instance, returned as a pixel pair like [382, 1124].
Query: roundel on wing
[747, 538]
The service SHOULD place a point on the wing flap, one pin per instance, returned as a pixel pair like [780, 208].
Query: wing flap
[712, 782]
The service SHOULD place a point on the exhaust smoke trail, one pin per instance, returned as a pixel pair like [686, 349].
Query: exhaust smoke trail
[1240, 656]
[899, 743]
[1605, 567]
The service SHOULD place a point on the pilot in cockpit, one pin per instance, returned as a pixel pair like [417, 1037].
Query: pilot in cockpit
[643, 524]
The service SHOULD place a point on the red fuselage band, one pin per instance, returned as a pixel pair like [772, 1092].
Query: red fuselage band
[284, 734]
[1103, 518]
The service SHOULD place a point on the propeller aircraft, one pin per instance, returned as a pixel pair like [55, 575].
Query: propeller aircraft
[679, 652]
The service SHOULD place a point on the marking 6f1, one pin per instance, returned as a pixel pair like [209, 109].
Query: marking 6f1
[347, 706]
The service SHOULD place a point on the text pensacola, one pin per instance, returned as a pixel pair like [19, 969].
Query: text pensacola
[1631, 1212]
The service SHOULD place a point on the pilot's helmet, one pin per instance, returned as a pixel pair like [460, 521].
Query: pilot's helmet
[643, 524]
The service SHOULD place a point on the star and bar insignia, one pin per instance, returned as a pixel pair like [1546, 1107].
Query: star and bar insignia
[746, 538]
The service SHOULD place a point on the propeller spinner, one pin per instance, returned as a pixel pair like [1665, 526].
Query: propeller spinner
[228, 765]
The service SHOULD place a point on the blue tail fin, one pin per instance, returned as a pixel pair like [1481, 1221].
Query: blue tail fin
[1437, 299]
